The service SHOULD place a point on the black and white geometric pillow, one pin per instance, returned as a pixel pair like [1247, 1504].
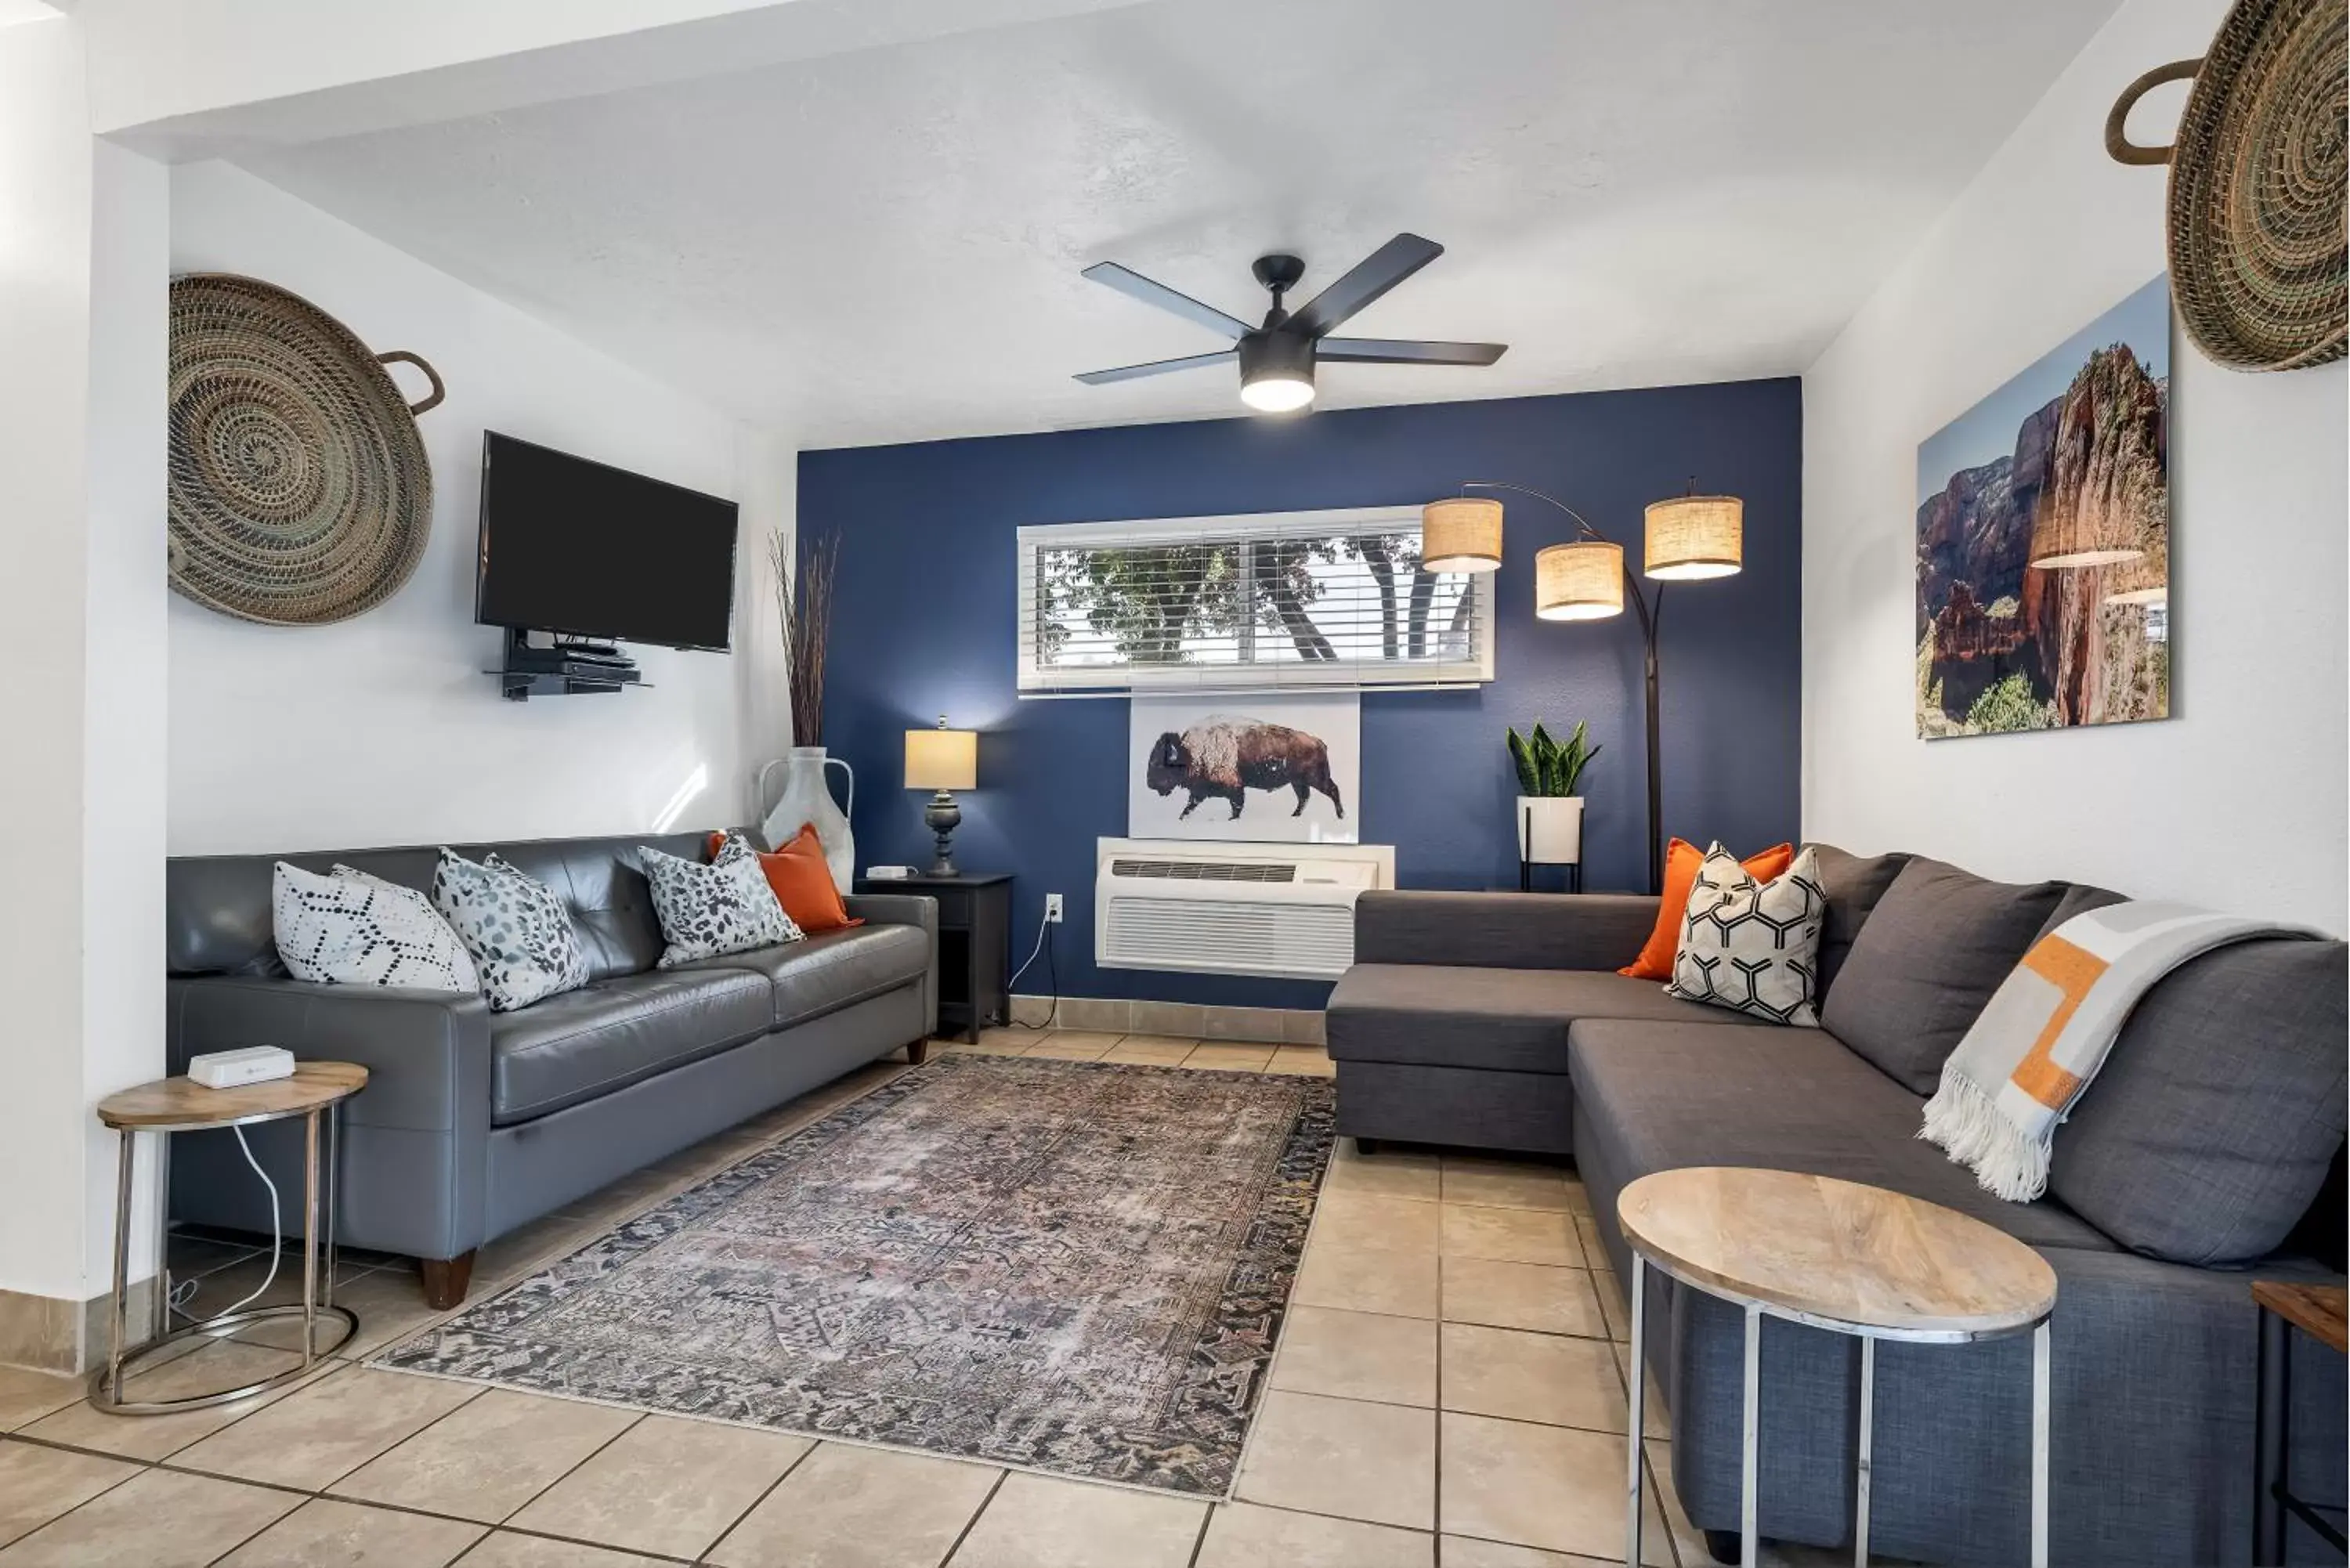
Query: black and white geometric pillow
[1752, 947]
[518, 931]
[351, 929]
[726, 907]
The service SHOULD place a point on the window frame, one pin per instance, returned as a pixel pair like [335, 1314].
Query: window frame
[1352, 674]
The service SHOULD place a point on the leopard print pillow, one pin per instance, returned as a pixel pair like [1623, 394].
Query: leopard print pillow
[518, 931]
[726, 907]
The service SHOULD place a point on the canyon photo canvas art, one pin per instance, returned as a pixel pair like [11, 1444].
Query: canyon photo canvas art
[2043, 539]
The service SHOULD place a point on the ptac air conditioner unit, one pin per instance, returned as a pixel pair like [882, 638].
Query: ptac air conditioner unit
[1233, 909]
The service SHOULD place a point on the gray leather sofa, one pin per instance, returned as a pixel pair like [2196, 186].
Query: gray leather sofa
[476, 1122]
[2207, 1153]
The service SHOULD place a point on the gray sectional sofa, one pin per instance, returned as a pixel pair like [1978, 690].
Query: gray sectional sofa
[2209, 1152]
[476, 1122]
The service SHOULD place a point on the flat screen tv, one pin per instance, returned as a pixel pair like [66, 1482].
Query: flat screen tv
[589, 550]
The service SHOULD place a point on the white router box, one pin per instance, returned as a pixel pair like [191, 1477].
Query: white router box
[252, 1064]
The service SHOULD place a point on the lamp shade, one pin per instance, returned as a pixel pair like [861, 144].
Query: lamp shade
[2093, 531]
[942, 759]
[1583, 581]
[1461, 535]
[1693, 536]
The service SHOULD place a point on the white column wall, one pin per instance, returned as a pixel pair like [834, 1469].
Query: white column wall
[82, 275]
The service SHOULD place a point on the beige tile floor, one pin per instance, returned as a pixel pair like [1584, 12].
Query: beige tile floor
[1448, 1394]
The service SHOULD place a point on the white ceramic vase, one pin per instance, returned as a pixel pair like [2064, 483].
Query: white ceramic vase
[1550, 829]
[807, 799]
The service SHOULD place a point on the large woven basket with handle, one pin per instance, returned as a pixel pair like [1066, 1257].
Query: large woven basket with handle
[299, 490]
[2257, 175]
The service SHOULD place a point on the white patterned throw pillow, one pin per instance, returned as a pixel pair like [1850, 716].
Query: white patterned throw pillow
[1752, 947]
[519, 933]
[351, 929]
[726, 907]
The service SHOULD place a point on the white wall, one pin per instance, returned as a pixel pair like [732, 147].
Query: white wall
[2238, 801]
[82, 267]
[382, 729]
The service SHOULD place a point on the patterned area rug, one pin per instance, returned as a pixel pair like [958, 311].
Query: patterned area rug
[1074, 1267]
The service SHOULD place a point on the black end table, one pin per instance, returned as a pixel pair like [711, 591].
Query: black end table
[974, 944]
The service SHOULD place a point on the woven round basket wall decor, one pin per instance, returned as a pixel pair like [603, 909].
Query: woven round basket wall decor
[2257, 176]
[300, 493]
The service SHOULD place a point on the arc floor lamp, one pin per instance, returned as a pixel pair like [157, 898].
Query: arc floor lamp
[1688, 538]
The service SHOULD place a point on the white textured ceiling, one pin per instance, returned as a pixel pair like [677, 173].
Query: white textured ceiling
[884, 245]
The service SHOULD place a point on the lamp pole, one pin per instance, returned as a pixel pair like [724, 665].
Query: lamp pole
[1651, 616]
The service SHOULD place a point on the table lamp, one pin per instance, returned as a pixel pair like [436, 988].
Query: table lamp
[942, 759]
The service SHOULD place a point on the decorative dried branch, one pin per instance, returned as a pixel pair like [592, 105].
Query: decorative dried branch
[804, 616]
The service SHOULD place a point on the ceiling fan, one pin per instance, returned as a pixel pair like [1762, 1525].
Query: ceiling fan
[1277, 357]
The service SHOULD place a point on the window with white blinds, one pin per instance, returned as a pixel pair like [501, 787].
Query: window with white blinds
[1246, 603]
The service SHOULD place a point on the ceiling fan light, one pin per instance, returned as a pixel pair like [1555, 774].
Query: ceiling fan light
[1691, 537]
[1461, 533]
[1277, 393]
[1277, 372]
[1582, 581]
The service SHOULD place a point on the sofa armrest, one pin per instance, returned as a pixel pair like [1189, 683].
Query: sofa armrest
[895, 910]
[427, 1053]
[1504, 931]
[907, 910]
[415, 1141]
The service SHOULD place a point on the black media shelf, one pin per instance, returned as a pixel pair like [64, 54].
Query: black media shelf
[565, 670]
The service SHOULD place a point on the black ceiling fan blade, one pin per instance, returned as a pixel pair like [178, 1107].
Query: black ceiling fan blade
[1129, 282]
[1364, 282]
[1156, 368]
[1396, 351]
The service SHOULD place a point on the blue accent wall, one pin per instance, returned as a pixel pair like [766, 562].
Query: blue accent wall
[924, 624]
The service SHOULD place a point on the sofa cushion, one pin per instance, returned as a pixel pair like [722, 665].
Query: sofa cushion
[2210, 1129]
[1663, 1095]
[1933, 951]
[613, 1033]
[1854, 884]
[824, 973]
[1511, 1019]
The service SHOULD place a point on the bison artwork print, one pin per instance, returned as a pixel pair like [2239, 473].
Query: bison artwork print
[1222, 758]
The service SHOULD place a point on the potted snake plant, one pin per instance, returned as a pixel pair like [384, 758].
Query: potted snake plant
[1550, 811]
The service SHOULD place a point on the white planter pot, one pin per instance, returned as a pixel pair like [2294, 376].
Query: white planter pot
[807, 801]
[1550, 829]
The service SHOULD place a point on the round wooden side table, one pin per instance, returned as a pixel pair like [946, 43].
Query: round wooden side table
[315, 1092]
[1837, 1255]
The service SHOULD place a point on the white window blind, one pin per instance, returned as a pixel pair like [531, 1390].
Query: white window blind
[1246, 603]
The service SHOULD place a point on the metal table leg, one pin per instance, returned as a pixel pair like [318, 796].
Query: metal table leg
[2040, 1445]
[119, 1318]
[2268, 1444]
[1861, 1476]
[1752, 1434]
[1637, 1409]
[310, 1238]
[334, 1163]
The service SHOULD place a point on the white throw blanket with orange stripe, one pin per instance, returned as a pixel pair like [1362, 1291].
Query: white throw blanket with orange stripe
[2039, 1043]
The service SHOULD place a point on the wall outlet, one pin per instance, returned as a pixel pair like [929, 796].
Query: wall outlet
[1052, 909]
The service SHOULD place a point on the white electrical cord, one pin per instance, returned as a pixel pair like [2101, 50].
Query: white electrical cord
[1043, 932]
[186, 1289]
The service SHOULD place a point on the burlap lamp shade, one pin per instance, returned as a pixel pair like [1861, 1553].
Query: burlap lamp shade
[1582, 581]
[1461, 535]
[1695, 536]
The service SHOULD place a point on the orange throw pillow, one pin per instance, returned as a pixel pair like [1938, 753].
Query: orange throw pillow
[804, 886]
[1682, 860]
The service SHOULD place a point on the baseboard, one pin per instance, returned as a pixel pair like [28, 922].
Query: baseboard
[1180, 1020]
[50, 1335]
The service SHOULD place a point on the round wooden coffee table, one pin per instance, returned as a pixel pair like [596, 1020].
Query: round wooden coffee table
[181, 1105]
[1840, 1256]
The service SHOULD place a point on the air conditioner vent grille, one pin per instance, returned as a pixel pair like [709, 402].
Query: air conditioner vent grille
[1300, 939]
[1207, 870]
